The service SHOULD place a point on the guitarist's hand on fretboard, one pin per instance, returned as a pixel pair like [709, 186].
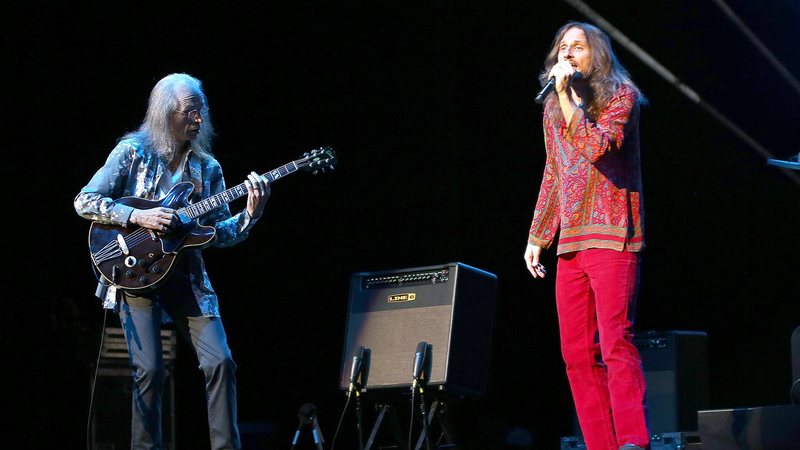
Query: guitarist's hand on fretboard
[160, 219]
[258, 191]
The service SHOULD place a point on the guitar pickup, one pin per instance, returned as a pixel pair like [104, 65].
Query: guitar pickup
[122, 245]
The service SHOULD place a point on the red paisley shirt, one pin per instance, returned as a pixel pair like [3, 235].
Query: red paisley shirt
[592, 185]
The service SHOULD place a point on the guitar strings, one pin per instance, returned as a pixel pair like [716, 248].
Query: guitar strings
[112, 249]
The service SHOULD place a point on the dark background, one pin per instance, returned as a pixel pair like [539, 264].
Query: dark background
[429, 106]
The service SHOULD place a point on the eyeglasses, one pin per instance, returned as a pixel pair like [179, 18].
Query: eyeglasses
[192, 115]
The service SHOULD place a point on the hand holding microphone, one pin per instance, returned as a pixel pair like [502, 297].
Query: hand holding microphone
[532, 257]
[560, 75]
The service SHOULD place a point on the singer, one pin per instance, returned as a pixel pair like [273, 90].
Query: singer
[591, 196]
[173, 144]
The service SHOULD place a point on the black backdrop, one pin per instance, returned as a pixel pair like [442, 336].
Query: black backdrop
[429, 107]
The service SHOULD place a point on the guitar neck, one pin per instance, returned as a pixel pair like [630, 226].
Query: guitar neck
[196, 210]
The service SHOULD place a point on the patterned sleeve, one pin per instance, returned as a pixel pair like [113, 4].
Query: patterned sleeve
[545, 216]
[96, 199]
[231, 229]
[595, 139]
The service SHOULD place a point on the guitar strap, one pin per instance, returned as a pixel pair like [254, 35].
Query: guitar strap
[196, 177]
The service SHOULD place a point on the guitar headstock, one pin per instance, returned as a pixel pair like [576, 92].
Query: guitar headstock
[319, 159]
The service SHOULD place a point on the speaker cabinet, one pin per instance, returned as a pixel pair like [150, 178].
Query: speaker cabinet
[111, 413]
[676, 374]
[449, 306]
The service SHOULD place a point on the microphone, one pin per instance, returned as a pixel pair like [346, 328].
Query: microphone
[419, 362]
[355, 368]
[551, 83]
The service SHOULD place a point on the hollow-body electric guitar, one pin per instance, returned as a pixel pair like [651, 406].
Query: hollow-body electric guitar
[136, 258]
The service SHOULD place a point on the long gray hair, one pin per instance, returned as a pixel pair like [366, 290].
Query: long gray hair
[154, 132]
[605, 76]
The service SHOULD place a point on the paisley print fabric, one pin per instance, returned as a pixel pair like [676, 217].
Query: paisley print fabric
[591, 191]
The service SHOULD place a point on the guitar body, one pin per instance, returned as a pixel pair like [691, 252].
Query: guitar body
[137, 258]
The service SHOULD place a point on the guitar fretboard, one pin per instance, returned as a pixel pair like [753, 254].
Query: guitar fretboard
[196, 210]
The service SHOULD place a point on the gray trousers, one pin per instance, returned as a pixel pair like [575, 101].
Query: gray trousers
[141, 321]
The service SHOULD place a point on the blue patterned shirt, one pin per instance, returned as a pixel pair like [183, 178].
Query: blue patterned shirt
[133, 171]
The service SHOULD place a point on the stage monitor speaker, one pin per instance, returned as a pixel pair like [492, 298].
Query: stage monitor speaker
[760, 428]
[662, 441]
[449, 306]
[676, 375]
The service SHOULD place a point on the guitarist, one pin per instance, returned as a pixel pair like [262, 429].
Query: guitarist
[173, 144]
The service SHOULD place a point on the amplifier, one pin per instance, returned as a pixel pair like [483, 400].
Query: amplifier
[449, 306]
[676, 375]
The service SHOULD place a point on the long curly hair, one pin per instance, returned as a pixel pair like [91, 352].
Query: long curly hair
[605, 77]
[154, 132]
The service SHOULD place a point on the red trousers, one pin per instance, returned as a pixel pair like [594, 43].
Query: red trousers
[595, 297]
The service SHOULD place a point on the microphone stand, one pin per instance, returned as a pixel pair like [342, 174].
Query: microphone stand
[424, 414]
[296, 435]
[318, 439]
[421, 372]
[358, 376]
[308, 415]
[359, 418]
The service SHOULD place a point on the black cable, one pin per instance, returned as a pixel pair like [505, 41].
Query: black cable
[339, 425]
[94, 380]
[411, 421]
[425, 430]
[424, 420]
[359, 423]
